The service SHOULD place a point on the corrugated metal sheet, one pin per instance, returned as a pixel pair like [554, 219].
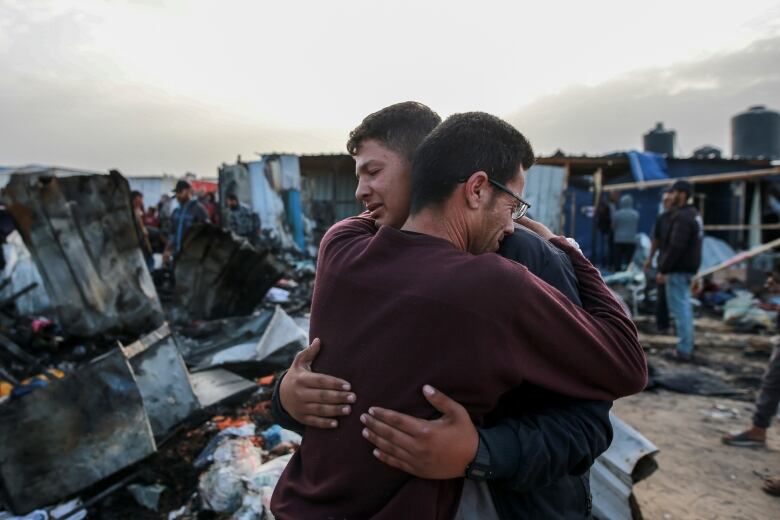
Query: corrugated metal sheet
[629, 459]
[544, 190]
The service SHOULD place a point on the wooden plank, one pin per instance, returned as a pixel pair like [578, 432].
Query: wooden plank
[741, 257]
[699, 179]
[738, 227]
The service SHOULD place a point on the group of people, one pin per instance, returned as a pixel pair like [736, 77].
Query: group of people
[464, 358]
[162, 229]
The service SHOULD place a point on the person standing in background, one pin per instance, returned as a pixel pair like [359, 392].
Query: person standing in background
[680, 259]
[137, 203]
[189, 212]
[624, 225]
[660, 230]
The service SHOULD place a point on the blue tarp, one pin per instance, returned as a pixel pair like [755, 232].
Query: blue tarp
[647, 166]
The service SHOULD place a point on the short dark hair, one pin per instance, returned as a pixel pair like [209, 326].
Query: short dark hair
[134, 194]
[400, 127]
[461, 145]
[232, 196]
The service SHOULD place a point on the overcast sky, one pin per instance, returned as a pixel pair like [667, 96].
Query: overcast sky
[156, 86]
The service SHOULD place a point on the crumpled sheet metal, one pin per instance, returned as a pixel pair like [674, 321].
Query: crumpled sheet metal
[629, 459]
[68, 435]
[82, 236]
[219, 274]
[163, 380]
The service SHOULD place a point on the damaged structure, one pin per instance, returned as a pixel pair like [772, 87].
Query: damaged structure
[82, 236]
[219, 274]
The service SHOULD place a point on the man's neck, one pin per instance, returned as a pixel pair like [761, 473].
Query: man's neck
[436, 224]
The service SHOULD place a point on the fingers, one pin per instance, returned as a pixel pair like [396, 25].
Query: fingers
[305, 357]
[387, 439]
[395, 462]
[389, 430]
[326, 410]
[441, 402]
[319, 422]
[313, 381]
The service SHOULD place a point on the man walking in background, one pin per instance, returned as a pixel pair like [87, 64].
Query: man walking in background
[680, 259]
[189, 212]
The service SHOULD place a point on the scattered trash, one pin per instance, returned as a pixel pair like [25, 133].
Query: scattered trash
[720, 412]
[276, 435]
[277, 295]
[742, 313]
[147, 496]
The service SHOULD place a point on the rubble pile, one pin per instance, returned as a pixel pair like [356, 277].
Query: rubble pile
[121, 404]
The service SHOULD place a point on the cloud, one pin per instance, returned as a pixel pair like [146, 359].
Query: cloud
[696, 98]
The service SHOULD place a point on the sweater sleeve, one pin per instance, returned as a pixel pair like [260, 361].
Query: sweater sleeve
[535, 449]
[280, 415]
[591, 352]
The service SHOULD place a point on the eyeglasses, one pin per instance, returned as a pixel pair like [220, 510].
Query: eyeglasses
[522, 206]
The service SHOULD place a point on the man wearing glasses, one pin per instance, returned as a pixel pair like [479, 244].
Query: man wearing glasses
[398, 309]
[538, 454]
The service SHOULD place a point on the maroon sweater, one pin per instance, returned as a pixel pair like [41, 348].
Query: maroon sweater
[396, 310]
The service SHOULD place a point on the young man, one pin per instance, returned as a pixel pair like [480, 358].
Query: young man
[399, 308]
[680, 259]
[189, 212]
[540, 452]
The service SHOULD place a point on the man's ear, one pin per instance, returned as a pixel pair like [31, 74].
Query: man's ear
[476, 189]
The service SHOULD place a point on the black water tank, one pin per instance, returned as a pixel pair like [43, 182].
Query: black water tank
[756, 133]
[659, 140]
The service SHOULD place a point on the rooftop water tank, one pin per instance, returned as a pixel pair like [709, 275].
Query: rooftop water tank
[755, 134]
[660, 140]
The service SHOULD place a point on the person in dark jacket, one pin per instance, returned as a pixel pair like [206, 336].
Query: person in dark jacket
[680, 259]
[660, 230]
[539, 454]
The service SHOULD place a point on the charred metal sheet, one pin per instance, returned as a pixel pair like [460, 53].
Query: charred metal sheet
[72, 433]
[214, 336]
[219, 274]
[217, 385]
[162, 379]
[82, 236]
[629, 459]
[268, 341]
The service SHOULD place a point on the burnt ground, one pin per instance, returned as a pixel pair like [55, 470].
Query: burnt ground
[698, 476]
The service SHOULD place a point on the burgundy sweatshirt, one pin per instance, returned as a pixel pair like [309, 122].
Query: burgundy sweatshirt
[396, 310]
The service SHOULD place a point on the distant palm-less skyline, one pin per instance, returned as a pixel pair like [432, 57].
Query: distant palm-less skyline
[156, 86]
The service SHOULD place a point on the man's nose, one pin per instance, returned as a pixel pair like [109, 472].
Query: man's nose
[362, 191]
[509, 227]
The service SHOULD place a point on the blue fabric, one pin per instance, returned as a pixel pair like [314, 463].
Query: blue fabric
[295, 216]
[183, 214]
[678, 299]
[647, 166]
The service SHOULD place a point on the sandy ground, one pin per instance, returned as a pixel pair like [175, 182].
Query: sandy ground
[698, 477]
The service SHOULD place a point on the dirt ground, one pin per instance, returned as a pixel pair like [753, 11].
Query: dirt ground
[698, 476]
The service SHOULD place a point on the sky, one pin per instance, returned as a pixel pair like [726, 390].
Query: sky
[161, 86]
